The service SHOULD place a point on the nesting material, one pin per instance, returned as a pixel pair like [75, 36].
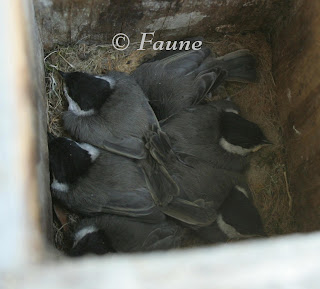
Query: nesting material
[267, 173]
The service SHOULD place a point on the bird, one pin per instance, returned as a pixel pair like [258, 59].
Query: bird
[184, 79]
[93, 181]
[112, 233]
[237, 219]
[215, 132]
[109, 111]
[90, 240]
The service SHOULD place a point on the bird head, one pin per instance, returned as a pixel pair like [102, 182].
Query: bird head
[69, 160]
[90, 240]
[239, 213]
[86, 93]
[239, 135]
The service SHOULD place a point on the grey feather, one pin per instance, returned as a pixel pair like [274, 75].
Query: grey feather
[185, 78]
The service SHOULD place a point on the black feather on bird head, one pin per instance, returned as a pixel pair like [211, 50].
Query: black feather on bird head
[89, 92]
[67, 160]
[240, 132]
[92, 243]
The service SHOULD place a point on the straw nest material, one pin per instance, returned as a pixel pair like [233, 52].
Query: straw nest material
[267, 174]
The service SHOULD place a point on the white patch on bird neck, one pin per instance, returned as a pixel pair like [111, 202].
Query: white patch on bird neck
[82, 233]
[230, 231]
[93, 152]
[74, 107]
[231, 110]
[61, 187]
[110, 80]
[242, 190]
[233, 148]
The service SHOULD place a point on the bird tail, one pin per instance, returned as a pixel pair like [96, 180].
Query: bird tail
[239, 65]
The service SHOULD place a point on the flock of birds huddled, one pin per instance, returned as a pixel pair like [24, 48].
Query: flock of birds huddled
[151, 160]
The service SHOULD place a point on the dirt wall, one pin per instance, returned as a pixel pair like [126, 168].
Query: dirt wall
[296, 70]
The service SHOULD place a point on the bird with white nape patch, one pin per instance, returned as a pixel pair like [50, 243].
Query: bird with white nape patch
[210, 133]
[123, 234]
[109, 111]
[90, 181]
[238, 218]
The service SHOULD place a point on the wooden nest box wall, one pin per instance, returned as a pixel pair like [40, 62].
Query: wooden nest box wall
[291, 28]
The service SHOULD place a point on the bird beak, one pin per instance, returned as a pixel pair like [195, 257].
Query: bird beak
[266, 142]
[63, 74]
[262, 145]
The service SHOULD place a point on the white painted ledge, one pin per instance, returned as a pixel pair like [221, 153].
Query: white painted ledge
[290, 262]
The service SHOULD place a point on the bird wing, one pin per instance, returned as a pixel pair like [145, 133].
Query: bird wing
[168, 83]
[86, 200]
[184, 62]
[130, 147]
[165, 190]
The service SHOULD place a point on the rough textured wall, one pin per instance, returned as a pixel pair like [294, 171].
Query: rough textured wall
[97, 21]
[297, 75]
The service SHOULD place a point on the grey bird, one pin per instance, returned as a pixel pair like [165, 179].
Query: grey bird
[214, 132]
[109, 111]
[92, 181]
[112, 233]
[185, 79]
[237, 219]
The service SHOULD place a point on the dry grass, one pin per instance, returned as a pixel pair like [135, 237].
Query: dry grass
[257, 102]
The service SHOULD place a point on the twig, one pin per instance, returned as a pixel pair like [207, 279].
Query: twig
[50, 54]
[274, 83]
[66, 61]
[288, 192]
[58, 231]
